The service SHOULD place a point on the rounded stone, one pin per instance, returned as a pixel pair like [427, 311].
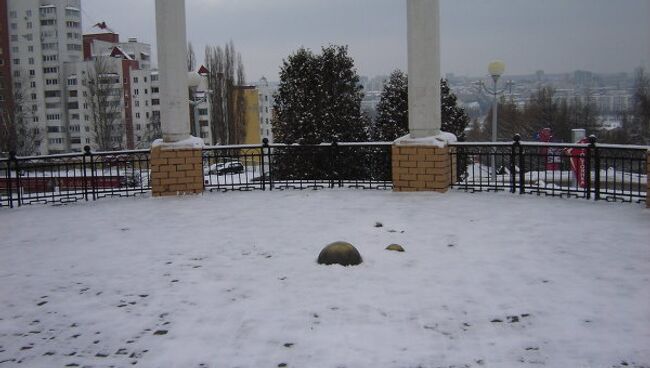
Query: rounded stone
[395, 248]
[341, 253]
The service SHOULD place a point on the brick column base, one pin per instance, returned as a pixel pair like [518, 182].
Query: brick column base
[422, 168]
[176, 171]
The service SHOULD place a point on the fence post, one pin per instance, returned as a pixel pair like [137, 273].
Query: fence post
[333, 152]
[85, 179]
[93, 179]
[522, 166]
[265, 144]
[513, 167]
[588, 154]
[270, 161]
[596, 154]
[12, 156]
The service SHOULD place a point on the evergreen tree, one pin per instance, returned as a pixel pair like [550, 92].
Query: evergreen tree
[318, 100]
[392, 110]
[454, 118]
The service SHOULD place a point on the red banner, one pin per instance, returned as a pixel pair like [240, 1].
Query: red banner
[579, 163]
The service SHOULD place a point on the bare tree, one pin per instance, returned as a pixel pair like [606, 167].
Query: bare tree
[191, 57]
[18, 131]
[153, 131]
[228, 106]
[105, 101]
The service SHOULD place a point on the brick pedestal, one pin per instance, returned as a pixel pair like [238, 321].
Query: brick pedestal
[422, 168]
[176, 171]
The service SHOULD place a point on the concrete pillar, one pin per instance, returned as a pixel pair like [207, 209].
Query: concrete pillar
[172, 65]
[424, 67]
[177, 160]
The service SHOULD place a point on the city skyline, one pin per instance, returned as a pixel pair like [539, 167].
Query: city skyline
[554, 36]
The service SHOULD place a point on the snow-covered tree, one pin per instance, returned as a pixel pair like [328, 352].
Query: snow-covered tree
[392, 110]
[454, 118]
[319, 98]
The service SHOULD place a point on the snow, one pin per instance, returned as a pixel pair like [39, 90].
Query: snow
[191, 142]
[440, 140]
[230, 280]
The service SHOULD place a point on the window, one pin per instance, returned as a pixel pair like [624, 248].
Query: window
[32, 72]
[50, 94]
[72, 24]
[53, 117]
[31, 61]
[203, 112]
[16, 61]
[50, 46]
[136, 92]
[50, 70]
[13, 14]
[74, 47]
[72, 81]
[155, 90]
[55, 141]
[28, 13]
[138, 127]
[73, 105]
[137, 103]
[75, 140]
[53, 129]
[30, 48]
[50, 57]
[51, 82]
[28, 37]
[14, 26]
[32, 84]
[33, 96]
[48, 10]
[75, 117]
[135, 79]
[29, 25]
[14, 38]
[52, 105]
[137, 115]
[15, 49]
[48, 22]
[155, 102]
[73, 93]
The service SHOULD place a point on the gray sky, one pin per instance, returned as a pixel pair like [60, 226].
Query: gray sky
[553, 35]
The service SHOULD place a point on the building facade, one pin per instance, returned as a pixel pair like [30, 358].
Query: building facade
[44, 37]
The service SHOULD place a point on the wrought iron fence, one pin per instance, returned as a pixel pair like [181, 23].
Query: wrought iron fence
[66, 178]
[590, 171]
[283, 166]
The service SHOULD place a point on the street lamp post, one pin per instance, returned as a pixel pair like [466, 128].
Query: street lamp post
[496, 70]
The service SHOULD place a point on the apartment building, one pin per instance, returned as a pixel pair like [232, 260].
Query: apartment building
[265, 102]
[39, 39]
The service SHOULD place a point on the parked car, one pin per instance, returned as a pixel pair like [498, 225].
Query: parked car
[232, 167]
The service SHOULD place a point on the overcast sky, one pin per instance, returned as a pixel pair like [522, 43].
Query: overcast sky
[552, 35]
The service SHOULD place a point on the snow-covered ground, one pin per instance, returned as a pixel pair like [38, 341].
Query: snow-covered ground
[230, 280]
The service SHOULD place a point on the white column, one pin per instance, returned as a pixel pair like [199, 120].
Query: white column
[172, 64]
[424, 67]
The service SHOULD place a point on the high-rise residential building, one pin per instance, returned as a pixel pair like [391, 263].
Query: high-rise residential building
[44, 36]
[266, 101]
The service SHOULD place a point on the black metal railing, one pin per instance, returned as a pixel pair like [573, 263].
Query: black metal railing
[66, 178]
[589, 170]
[283, 166]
